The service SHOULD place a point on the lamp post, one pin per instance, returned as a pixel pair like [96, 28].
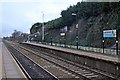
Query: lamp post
[117, 42]
[103, 45]
[60, 42]
[77, 35]
[51, 40]
[73, 14]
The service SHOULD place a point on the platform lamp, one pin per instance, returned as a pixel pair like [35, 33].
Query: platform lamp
[74, 14]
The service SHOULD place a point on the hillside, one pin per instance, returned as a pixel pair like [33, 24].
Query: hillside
[92, 19]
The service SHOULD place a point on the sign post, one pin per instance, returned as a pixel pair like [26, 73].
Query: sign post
[63, 34]
[117, 43]
[103, 45]
[110, 34]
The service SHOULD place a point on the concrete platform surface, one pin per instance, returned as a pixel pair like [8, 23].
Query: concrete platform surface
[0, 59]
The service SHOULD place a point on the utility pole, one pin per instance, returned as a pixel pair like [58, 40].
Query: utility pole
[43, 27]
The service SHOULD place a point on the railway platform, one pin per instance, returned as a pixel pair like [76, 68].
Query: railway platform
[82, 53]
[9, 68]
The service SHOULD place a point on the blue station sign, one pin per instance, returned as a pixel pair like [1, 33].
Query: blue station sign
[109, 33]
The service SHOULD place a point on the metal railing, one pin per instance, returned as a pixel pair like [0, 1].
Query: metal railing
[107, 51]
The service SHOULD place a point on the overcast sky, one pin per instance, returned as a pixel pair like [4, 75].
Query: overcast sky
[22, 14]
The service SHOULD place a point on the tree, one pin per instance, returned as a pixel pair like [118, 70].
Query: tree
[35, 27]
[16, 34]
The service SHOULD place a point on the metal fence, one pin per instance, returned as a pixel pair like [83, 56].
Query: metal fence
[92, 41]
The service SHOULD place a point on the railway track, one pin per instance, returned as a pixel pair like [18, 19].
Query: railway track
[30, 68]
[66, 66]
[113, 77]
[49, 66]
[77, 69]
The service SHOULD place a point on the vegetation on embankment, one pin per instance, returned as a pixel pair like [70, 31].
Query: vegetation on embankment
[92, 19]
